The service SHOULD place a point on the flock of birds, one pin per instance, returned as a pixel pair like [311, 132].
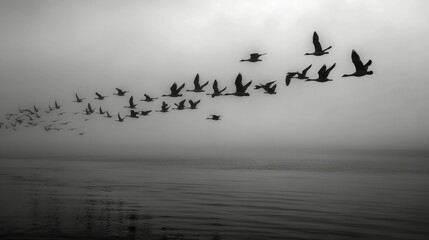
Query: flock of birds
[34, 116]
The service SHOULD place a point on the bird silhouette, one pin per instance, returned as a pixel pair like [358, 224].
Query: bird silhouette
[81, 133]
[78, 100]
[240, 89]
[99, 96]
[175, 92]
[100, 111]
[145, 113]
[133, 114]
[131, 103]
[108, 115]
[90, 109]
[193, 104]
[317, 47]
[197, 86]
[164, 107]
[323, 74]
[361, 70]
[148, 98]
[181, 105]
[57, 106]
[254, 57]
[264, 86]
[216, 91]
[120, 119]
[299, 75]
[214, 117]
[36, 110]
[120, 92]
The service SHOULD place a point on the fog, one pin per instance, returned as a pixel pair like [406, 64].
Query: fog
[49, 50]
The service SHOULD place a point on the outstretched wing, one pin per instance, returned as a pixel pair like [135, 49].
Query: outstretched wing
[316, 43]
[173, 88]
[254, 55]
[322, 71]
[197, 81]
[131, 101]
[215, 89]
[98, 95]
[326, 73]
[289, 77]
[357, 62]
[368, 64]
[246, 86]
[304, 72]
[238, 83]
[180, 88]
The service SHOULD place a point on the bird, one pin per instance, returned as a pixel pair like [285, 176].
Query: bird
[108, 115]
[317, 47]
[264, 86]
[214, 117]
[36, 110]
[99, 96]
[323, 74]
[197, 86]
[133, 114]
[131, 103]
[120, 92]
[57, 106]
[64, 123]
[81, 133]
[164, 107]
[299, 75]
[361, 70]
[270, 90]
[78, 100]
[216, 91]
[100, 111]
[145, 113]
[289, 77]
[61, 113]
[181, 105]
[175, 92]
[193, 104]
[240, 89]
[89, 108]
[148, 99]
[72, 129]
[120, 119]
[254, 57]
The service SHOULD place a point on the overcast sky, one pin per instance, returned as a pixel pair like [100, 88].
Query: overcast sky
[49, 50]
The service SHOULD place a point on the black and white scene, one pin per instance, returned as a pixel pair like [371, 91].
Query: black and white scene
[214, 119]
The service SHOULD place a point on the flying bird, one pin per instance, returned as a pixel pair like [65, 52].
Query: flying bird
[145, 113]
[108, 115]
[36, 110]
[240, 89]
[361, 70]
[181, 105]
[100, 111]
[120, 92]
[133, 114]
[120, 119]
[78, 100]
[299, 75]
[254, 57]
[214, 117]
[216, 91]
[317, 47]
[164, 107]
[99, 96]
[57, 106]
[131, 103]
[175, 91]
[197, 86]
[193, 104]
[148, 98]
[323, 74]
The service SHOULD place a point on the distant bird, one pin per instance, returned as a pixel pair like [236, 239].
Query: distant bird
[270, 89]
[317, 47]
[57, 106]
[78, 100]
[120, 92]
[72, 129]
[361, 70]
[240, 89]
[81, 133]
[148, 99]
[9, 115]
[90, 109]
[100, 111]
[264, 86]
[131, 103]
[61, 113]
[323, 74]
[254, 57]
[64, 123]
[120, 119]
[175, 92]
[108, 115]
[214, 117]
[164, 108]
[193, 104]
[145, 113]
[216, 91]
[50, 108]
[36, 110]
[181, 105]
[133, 114]
[99, 96]
[299, 75]
[197, 86]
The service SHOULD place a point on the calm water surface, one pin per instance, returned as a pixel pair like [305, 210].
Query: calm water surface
[298, 198]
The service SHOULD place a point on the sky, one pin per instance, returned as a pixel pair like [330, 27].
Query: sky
[49, 50]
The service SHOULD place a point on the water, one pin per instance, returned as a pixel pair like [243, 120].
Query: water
[331, 197]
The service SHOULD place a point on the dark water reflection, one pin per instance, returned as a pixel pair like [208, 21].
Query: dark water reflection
[335, 198]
